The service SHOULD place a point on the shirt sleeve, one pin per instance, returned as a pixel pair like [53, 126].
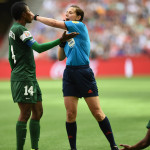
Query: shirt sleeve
[148, 125]
[45, 46]
[24, 34]
[74, 26]
[30, 42]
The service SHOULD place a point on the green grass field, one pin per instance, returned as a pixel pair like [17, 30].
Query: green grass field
[126, 102]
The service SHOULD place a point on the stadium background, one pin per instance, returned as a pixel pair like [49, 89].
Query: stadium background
[120, 57]
[119, 32]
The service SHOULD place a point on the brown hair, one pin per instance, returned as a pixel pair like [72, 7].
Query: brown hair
[79, 11]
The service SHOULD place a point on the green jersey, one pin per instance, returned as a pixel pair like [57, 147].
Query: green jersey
[148, 125]
[21, 56]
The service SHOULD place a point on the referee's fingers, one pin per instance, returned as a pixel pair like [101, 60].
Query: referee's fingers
[76, 33]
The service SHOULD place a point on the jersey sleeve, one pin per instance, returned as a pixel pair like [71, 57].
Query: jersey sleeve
[30, 42]
[74, 26]
[24, 34]
[45, 46]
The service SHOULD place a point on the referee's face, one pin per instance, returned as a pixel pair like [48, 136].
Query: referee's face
[71, 15]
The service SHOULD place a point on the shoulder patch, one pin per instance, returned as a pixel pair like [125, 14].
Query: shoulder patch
[25, 35]
[12, 35]
[75, 21]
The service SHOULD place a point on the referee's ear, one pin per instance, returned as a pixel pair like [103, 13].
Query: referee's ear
[78, 18]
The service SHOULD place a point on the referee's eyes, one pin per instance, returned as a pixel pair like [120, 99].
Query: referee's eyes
[70, 12]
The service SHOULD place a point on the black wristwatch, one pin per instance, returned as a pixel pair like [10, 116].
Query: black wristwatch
[35, 16]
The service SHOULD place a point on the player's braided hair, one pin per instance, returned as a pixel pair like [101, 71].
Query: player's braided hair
[17, 9]
[79, 11]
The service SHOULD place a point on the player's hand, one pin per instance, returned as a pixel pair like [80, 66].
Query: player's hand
[66, 37]
[126, 147]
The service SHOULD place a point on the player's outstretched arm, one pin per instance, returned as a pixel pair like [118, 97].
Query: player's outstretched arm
[51, 22]
[140, 145]
[46, 46]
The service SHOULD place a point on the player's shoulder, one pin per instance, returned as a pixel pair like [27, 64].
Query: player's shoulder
[16, 27]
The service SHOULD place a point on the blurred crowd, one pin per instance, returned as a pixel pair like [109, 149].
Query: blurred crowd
[116, 27]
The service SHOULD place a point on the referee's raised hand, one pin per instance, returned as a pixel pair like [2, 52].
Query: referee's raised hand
[66, 37]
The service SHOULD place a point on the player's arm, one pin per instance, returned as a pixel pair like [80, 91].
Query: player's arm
[46, 46]
[143, 143]
[51, 22]
[140, 145]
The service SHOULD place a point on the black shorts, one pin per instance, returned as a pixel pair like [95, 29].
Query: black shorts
[79, 81]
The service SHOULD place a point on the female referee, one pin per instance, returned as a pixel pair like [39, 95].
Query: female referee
[78, 77]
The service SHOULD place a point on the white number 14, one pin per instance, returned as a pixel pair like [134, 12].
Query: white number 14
[28, 91]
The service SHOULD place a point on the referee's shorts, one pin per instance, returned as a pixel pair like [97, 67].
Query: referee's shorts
[79, 81]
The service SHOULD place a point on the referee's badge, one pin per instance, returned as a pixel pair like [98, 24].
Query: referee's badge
[71, 43]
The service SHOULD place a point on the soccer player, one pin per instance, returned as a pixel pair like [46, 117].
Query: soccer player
[78, 77]
[24, 86]
[145, 142]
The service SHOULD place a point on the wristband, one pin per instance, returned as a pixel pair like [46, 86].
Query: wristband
[35, 16]
[62, 44]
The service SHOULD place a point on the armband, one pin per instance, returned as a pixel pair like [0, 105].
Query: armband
[30, 42]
